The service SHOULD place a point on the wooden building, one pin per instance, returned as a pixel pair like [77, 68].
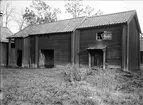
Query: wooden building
[4, 33]
[110, 40]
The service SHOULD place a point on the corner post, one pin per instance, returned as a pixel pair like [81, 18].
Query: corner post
[73, 48]
[36, 52]
[77, 47]
[124, 48]
[89, 58]
[128, 35]
[104, 58]
[9, 53]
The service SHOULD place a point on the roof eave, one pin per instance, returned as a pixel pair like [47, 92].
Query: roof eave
[101, 25]
[136, 17]
[15, 37]
[50, 33]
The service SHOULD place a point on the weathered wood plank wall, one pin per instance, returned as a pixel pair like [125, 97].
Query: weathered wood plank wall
[60, 43]
[133, 46]
[114, 46]
[3, 54]
[32, 51]
[26, 55]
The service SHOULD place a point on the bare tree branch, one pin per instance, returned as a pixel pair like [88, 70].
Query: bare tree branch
[77, 9]
[7, 11]
[20, 20]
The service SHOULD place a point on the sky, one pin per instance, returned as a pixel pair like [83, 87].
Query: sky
[106, 6]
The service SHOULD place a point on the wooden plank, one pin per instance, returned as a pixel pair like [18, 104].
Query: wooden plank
[124, 35]
[104, 58]
[72, 48]
[36, 52]
[133, 44]
[9, 53]
[89, 60]
[88, 38]
[61, 44]
[25, 60]
[77, 47]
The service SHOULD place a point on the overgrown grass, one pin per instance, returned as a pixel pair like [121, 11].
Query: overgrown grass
[70, 86]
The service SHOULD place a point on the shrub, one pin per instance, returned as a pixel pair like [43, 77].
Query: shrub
[75, 73]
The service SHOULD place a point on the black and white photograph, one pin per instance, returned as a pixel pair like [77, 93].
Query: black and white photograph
[71, 52]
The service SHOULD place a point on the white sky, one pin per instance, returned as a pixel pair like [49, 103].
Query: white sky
[105, 6]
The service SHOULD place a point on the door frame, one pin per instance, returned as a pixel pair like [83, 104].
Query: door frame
[90, 60]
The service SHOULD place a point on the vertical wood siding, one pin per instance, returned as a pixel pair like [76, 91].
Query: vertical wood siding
[3, 54]
[113, 52]
[60, 43]
[19, 43]
[32, 50]
[133, 46]
[25, 60]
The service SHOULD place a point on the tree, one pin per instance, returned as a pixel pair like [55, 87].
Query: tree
[29, 16]
[21, 22]
[40, 12]
[74, 7]
[77, 9]
[8, 12]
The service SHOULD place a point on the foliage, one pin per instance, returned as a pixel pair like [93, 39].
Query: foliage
[50, 87]
[40, 12]
[77, 9]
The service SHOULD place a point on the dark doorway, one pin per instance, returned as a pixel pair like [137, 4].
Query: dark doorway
[96, 58]
[19, 57]
[141, 57]
[48, 58]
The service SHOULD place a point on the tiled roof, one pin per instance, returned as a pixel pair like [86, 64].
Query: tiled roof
[67, 25]
[4, 33]
[109, 19]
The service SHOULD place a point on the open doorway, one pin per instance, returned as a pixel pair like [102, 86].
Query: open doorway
[48, 58]
[19, 58]
[96, 58]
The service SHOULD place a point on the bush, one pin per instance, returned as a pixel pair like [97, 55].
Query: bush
[75, 73]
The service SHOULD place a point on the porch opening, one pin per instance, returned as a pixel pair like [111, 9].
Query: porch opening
[47, 58]
[19, 58]
[97, 56]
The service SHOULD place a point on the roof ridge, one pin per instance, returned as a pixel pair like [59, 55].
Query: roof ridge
[113, 13]
[58, 21]
[80, 23]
